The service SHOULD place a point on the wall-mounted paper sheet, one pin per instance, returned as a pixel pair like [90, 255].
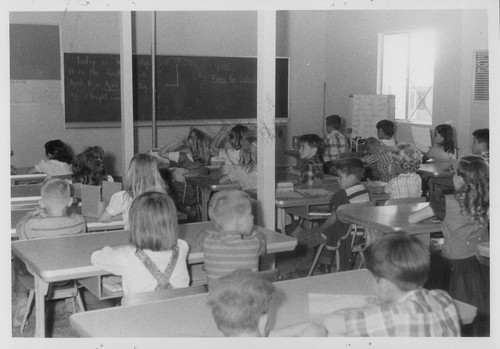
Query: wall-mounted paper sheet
[421, 138]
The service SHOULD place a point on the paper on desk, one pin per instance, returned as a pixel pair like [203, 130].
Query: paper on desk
[421, 138]
[322, 304]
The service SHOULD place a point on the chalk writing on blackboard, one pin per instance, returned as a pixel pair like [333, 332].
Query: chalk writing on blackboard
[187, 87]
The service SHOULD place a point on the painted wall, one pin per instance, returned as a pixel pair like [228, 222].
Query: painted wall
[338, 48]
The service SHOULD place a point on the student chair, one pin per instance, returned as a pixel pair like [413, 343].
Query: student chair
[148, 297]
[405, 201]
[66, 290]
[355, 232]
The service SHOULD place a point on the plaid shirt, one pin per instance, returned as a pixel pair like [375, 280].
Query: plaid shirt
[336, 143]
[420, 313]
[383, 159]
[311, 169]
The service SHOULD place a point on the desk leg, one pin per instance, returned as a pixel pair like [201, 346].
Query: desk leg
[41, 288]
[281, 219]
[205, 196]
[267, 262]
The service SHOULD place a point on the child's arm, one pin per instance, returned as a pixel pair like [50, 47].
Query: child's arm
[105, 217]
[420, 215]
[20, 226]
[259, 234]
[305, 329]
[224, 179]
[335, 324]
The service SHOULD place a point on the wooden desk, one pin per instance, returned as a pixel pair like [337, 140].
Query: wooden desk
[207, 185]
[72, 260]
[192, 318]
[436, 174]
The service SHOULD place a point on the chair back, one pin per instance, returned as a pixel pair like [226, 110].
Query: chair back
[148, 297]
[405, 201]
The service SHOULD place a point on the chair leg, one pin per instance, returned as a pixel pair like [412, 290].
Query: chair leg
[315, 260]
[337, 260]
[31, 296]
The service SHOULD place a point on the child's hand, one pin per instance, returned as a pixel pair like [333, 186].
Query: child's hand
[313, 330]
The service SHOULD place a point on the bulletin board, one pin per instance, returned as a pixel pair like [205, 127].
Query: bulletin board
[366, 110]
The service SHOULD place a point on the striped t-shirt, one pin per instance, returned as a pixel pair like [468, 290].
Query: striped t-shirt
[225, 252]
[42, 226]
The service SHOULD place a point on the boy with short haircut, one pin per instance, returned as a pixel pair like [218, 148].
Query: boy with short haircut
[311, 168]
[240, 302]
[399, 264]
[380, 155]
[481, 143]
[349, 173]
[335, 142]
[52, 218]
[235, 243]
[385, 132]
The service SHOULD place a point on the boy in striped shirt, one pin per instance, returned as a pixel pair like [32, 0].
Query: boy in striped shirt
[235, 244]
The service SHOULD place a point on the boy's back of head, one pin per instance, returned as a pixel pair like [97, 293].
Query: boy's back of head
[334, 121]
[56, 194]
[350, 166]
[371, 144]
[240, 302]
[400, 258]
[227, 206]
[387, 126]
[482, 135]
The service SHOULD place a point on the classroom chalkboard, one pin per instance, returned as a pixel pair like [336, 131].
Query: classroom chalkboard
[188, 87]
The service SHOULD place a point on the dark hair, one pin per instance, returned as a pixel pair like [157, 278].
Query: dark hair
[57, 150]
[483, 136]
[350, 166]
[238, 300]
[335, 121]
[313, 140]
[198, 143]
[237, 135]
[400, 258]
[153, 222]
[446, 132]
[88, 167]
[387, 126]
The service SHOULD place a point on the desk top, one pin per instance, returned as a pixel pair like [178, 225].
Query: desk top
[73, 252]
[388, 218]
[192, 318]
[436, 169]
[211, 182]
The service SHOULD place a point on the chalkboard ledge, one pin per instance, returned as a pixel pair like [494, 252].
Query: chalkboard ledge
[161, 123]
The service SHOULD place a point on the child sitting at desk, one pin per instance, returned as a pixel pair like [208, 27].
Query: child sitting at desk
[234, 244]
[89, 167]
[311, 148]
[245, 171]
[481, 143]
[349, 172]
[399, 264]
[385, 132]
[443, 148]
[58, 162]
[142, 176]
[230, 151]
[156, 257]
[378, 154]
[406, 161]
[50, 220]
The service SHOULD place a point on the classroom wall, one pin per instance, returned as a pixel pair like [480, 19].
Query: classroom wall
[338, 48]
[352, 49]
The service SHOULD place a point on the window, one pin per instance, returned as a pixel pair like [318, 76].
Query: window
[406, 70]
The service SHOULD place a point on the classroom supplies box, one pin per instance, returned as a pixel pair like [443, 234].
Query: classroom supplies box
[96, 198]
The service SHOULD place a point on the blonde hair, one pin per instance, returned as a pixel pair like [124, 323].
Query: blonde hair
[198, 143]
[153, 222]
[248, 154]
[227, 205]
[474, 195]
[406, 158]
[143, 175]
[55, 192]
